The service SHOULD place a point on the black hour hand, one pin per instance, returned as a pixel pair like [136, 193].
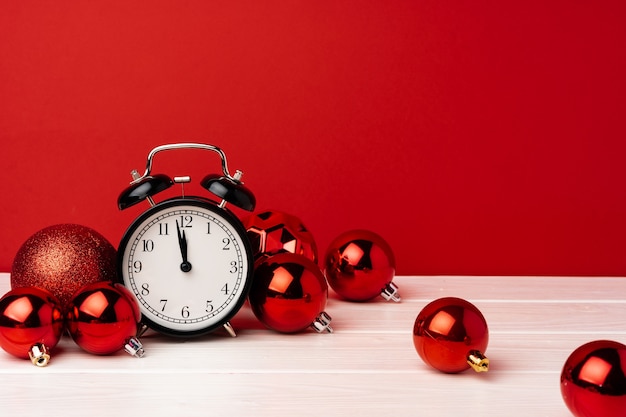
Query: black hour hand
[185, 266]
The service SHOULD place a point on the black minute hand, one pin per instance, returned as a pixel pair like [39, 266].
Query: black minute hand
[185, 266]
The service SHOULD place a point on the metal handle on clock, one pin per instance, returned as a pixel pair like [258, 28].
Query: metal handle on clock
[189, 145]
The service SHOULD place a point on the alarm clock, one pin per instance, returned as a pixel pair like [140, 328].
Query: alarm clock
[187, 259]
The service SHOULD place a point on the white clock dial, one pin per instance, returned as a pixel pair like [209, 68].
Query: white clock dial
[188, 263]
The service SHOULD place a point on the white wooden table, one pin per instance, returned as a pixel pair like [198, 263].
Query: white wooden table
[367, 367]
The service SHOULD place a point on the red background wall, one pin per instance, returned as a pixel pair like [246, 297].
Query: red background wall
[480, 137]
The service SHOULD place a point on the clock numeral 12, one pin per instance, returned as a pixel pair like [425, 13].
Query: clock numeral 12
[185, 221]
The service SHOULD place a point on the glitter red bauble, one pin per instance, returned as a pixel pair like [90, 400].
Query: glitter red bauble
[62, 258]
[593, 380]
[451, 335]
[360, 265]
[273, 231]
[102, 317]
[28, 317]
[289, 293]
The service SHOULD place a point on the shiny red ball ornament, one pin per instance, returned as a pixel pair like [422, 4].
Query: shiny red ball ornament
[271, 232]
[289, 294]
[62, 258]
[593, 380]
[360, 265]
[103, 318]
[31, 324]
[450, 334]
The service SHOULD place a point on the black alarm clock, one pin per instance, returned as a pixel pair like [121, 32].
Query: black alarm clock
[187, 260]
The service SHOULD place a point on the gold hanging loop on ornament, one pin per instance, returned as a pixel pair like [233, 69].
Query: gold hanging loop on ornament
[477, 361]
[39, 355]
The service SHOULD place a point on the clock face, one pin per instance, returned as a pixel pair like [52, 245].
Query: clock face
[188, 262]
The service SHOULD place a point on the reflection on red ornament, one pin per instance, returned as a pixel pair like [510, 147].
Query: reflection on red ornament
[289, 294]
[593, 380]
[451, 335]
[360, 265]
[103, 318]
[31, 323]
[271, 232]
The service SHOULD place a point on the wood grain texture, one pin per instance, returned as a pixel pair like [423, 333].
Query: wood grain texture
[367, 367]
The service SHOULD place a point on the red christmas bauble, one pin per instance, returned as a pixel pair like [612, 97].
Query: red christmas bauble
[103, 317]
[63, 258]
[360, 265]
[273, 231]
[31, 323]
[289, 293]
[451, 335]
[593, 380]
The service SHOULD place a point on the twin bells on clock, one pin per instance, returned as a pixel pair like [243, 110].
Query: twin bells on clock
[229, 188]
